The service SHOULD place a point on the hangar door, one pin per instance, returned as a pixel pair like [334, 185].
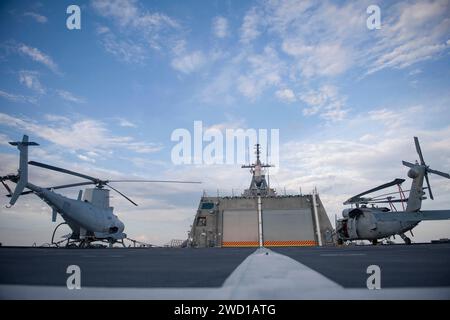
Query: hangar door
[288, 228]
[240, 228]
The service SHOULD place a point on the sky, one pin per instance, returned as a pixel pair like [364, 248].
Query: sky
[105, 99]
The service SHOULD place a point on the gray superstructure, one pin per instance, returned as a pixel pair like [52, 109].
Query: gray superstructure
[284, 220]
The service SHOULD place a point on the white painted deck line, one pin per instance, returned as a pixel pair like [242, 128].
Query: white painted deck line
[262, 275]
[269, 275]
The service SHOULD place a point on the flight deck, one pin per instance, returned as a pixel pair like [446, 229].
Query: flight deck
[414, 271]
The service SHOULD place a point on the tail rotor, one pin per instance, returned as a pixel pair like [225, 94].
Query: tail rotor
[426, 167]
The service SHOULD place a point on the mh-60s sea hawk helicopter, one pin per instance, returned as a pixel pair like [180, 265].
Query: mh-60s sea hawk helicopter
[363, 223]
[91, 218]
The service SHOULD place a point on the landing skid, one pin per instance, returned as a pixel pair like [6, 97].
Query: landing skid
[405, 238]
[86, 242]
[90, 243]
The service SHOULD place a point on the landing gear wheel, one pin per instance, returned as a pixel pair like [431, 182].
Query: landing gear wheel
[374, 242]
[340, 242]
[407, 240]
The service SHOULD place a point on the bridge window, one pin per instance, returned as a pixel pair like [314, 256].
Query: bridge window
[207, 205]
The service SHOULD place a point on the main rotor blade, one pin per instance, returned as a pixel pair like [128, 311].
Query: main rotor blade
[383, 186]
[439, 173]
[395, 192]
[429, 187]
[156, 181]
[408, 164]
[46, 166]
[122, 195]
[70, 185]
[419, 151]
[61, 187]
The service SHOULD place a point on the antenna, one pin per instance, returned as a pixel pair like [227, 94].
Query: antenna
[259, 184]
[267, 160]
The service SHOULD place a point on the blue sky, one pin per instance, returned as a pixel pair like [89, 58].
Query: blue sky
[105, 99]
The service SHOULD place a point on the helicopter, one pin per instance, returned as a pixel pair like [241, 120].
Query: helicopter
[373, 223]
[89, 217]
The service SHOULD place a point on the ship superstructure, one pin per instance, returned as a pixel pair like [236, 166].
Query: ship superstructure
[260, 217]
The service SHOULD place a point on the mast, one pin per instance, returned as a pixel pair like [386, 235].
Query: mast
[258, 184]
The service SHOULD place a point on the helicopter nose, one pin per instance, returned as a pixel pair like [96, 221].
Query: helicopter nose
[120, 226]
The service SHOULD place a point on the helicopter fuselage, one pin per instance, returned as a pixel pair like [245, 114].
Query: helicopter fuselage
[364, 224]
[84, 218]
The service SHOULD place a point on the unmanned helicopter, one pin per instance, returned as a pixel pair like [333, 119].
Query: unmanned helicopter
[89, 217]
[374, 223]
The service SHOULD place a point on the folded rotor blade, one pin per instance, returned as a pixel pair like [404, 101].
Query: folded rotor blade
[439, 173]
[122, 195]
[383, 186]
[395, 192]
[429, 187]
[389, 201]
[419, 151]
[46, 166]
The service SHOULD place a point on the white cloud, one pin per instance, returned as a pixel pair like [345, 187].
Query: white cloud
[189, 62]
[124, 50]
[102, 30]
[4, 139]
[284, 15]
[329, 59]
[38, 56]
[36, 16]
[231, 123]
[68, 96]
[81, 135]
[30, 80]
[56, 118]
[413, 32]
[143, 147]
[85, 158]
[17, 97]
[250, 26]
[286, 95]
[264, 70]
[220, 27]
[138, 29]
[129, 13]
[220, 89]
[414, 72]
[326, 102]
[126, 123]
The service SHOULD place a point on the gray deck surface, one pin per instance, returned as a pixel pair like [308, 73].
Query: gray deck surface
[424, 265]
[420, 265]
[155, 267]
